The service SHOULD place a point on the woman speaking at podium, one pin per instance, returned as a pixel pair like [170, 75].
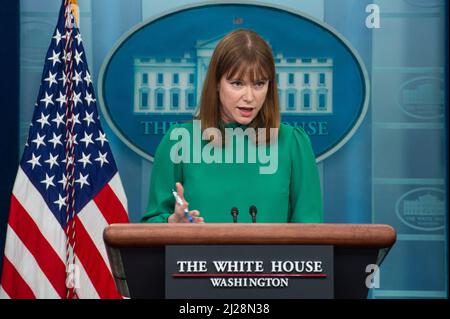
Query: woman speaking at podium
[265, 164]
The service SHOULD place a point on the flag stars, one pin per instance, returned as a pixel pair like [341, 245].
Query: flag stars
[79, 39]
[63, 78]
[59, 119]
[68, 34]
[60, 202]
[74, 119]
[87, 139]
[52, 160]
[63, 181]
[55, 58]
[102, 158]
[58, 37]
[48, 181]
[39, 140]
[76, 98]
[72, 139]
[51, 79]
[34, 161]
[88, 98]
[85, 159]
[67, 56]
[55, 140]
[87, 78]
[88, 118]
[47, 99]
[101, 137]
[77, 77]
[61, 99]
[43, 120]
[78, 56]
[69, 159]
[82, 180]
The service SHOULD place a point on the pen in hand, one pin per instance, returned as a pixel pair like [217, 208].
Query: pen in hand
[180, 202]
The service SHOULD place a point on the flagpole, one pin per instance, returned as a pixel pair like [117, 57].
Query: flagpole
[70, 162]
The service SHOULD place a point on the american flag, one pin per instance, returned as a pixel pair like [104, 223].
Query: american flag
[67, 188]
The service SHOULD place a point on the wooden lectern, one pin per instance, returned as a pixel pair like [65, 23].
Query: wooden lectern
[137, 251]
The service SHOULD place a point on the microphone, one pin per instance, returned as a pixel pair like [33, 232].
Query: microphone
[253, 213]
[234, 212]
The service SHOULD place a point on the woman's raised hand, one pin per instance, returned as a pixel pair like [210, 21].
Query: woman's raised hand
[179, 216]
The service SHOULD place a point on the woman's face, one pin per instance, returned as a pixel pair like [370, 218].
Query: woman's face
[241, 99]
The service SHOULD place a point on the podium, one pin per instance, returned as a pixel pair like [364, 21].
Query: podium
[137, 251]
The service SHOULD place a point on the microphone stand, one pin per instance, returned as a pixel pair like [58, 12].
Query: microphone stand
[234, 213]
[253, 212]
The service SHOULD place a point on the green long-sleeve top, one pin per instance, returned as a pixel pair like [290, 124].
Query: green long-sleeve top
[291, 194]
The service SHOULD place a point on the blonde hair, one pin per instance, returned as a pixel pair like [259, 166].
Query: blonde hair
[241, 52]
